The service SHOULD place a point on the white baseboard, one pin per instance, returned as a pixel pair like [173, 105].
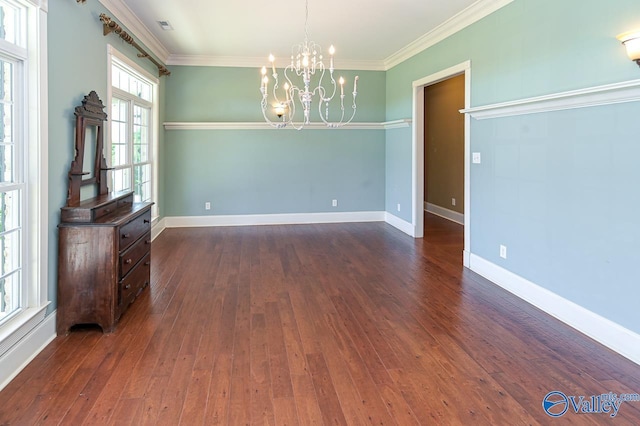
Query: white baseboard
[401, 224]
[445, 213]
[280, 219]
[24, 351]
[610, 334]
[157, 228]
[272, 219]
[466, 259]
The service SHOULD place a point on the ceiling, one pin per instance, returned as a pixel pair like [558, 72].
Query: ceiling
[366, 35]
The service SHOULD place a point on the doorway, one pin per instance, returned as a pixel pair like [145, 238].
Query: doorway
[418, 151]
[444, 149]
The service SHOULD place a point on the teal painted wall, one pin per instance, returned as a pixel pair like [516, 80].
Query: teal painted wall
[77, 64]
[559, 189]
[267, 171]
[274, 171]
[398, 173]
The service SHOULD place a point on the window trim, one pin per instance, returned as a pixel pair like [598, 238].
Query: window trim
[36, 178]
[114, 54]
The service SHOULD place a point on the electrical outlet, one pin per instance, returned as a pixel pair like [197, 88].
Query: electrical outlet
[334, 203]
[453, 201]
[398, 206]
[503, 251]
[475, 158]
[207, 206]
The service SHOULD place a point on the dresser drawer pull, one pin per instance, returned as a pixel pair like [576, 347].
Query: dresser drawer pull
[146, 221]
[107, 210]
[128, 261]
[147, 241]
[127, 287]
[147, 263]
[126, 235]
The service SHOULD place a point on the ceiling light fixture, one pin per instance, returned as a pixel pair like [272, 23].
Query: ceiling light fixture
[306, 61]
[631, 41]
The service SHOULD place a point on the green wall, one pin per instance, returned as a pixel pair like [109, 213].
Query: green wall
[272, 170]
[77, 65]
[558, 189]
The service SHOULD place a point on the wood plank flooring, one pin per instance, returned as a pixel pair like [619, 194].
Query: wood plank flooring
[334, 324]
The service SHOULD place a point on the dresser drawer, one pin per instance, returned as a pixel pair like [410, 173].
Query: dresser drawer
[104, 210]
[134, 282]
[126, 202]
[133, 254]
[133, 230]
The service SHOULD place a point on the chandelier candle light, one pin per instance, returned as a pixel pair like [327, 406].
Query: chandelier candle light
[306, 61]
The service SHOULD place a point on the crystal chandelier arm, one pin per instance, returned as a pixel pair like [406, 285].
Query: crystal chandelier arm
[291, 101]
[333, 84]
[353, 106]
[264, 104]
[341, 122]
[276, 84]
[323, 98]
[325, 117]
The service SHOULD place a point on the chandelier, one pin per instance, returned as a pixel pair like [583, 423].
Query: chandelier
[306, 62]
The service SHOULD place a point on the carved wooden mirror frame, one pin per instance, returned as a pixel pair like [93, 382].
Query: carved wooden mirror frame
[89, 117]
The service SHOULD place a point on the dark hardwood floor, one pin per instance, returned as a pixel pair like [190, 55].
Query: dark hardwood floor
[318, 324]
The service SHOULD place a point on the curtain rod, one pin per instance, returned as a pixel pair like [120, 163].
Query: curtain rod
[111, 26]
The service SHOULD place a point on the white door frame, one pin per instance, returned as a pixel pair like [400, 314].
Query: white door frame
[417, 152]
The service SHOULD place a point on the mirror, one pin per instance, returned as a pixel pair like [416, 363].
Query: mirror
[89, 166]
[89, 158]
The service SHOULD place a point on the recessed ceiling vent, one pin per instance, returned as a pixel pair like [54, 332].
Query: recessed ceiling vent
[165, 25]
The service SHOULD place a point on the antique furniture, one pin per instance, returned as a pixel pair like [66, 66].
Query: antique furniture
[104, 237]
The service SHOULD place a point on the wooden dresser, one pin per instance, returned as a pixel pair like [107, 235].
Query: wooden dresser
[104, 260]
[104, 246]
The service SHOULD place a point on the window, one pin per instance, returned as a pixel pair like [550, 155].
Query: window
[12, 181]
[23, 170]
[12, 189]
[132, 138]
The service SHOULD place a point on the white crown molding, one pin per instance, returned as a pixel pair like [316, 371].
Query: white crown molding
[610, 334]
[219, 61]
[129, 19]
[468, 16]
[628, 91]
[261, 125]
[258, 62]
